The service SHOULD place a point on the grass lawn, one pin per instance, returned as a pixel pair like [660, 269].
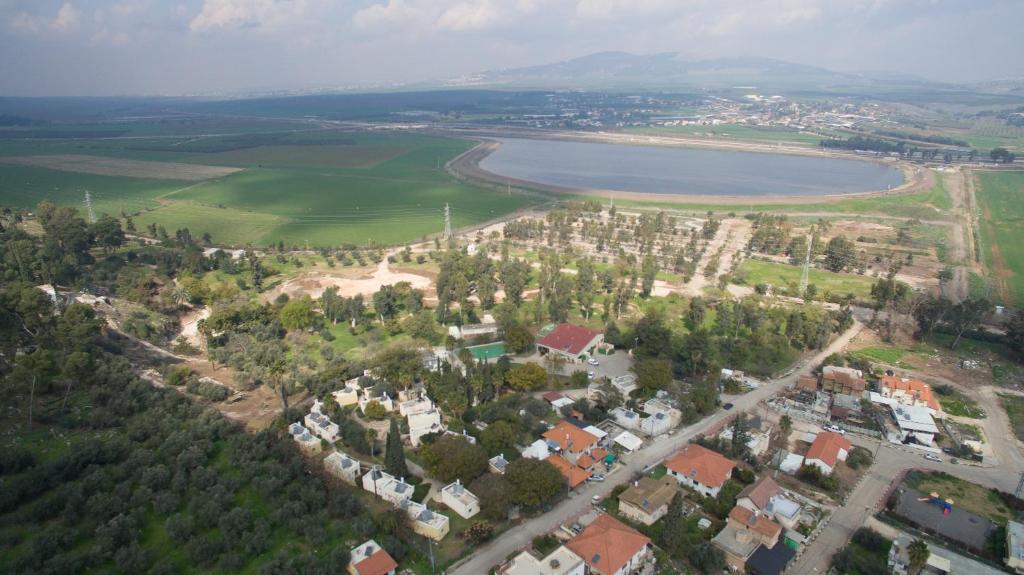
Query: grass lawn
[956, 403]
[1001, 226]
[884, 354]
[969, 496]
[783, 275]
[1014, 406]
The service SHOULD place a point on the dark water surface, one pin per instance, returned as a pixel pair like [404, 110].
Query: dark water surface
[669, 170]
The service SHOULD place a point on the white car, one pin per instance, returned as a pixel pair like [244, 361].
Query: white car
[591, 375]
[835, 429]
[593, 361]
[935, 458]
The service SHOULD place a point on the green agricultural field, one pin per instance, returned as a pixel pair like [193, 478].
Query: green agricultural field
[735, 132]
[1000, 197]
[781, 275]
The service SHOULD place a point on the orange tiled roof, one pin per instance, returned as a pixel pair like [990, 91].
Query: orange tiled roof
[915, 387]
[761, 491]
[574, 475]
[585, 461]
[598, 453]
[707, 467]
[565, 433]
[607, 544]
[380, 563]
[755, 522]
[826, 447]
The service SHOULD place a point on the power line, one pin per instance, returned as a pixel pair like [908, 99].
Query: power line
[88, 208]
[447, 222]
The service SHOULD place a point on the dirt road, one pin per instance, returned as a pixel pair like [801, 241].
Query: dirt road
[961, 247]
[314, 284]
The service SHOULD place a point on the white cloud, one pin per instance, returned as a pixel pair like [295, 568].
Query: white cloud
[67, 18]
[469, 16]
[390, 14]
[263, 14]
[25, 22]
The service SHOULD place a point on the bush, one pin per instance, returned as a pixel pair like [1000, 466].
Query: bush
[207, 389]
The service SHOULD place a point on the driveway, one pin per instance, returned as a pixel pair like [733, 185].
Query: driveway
[518, 537]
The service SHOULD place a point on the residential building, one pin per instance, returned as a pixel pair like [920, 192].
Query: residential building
[573, 474]
[460, 500]
[322, 426]
[1015, 546]
[807, 383]
[843, 380]
[662, 406]
[745, 533]
[306, 440]
[561, 561]
[783, 511]
[498, 464]
[426, 522]
[755, 497]
[600, 434]
[383, 399]
[421, 404]
[608, 547]
[537, 450]
[656, 424]
[915, 422]
[348, 395]
[701, 469]
[570, 440]
[628, 441]
[625, 417]
[573, 342]
[385, 486]
[342, 466]
[421, 424]
[899, 560]
[625, 384]
[647, 500]
[911, 392]
[828, 449]
[474, 330]
[371, 559]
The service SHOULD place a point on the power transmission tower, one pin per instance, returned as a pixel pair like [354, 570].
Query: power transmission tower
[88, 208]
[447, 222]
[807, 268]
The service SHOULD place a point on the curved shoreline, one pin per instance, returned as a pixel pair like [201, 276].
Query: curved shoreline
[467, 166]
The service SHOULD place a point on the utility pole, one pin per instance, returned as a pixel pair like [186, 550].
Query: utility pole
[447, 222]
[90, 213]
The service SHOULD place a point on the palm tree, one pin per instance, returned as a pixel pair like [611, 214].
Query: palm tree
[918, 553]
[785, 424]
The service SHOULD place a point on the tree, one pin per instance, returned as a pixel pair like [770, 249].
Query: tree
[918, 553]
[673, 533]
[452, 457]
[785, 425]
[495, 496]
[968, 315]
[526, 377]
[518, 338]
[839, 254]
[385, 303]
[499, 437]
[332, 305]
[649, 272]
[708, 558]
[394, 456]
[374, 410]
[585, 286]
[478, 533]
[422, 325]
[297, 314]
[1001, 155]
[653, 374]
[533, 482]
[107, 232]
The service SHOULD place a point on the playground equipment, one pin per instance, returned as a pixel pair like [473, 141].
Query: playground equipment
[934, 499]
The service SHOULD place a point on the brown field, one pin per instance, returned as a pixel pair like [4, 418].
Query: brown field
[103, 166]
[305, 156]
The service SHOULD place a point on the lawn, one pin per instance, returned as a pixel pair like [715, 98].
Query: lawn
[1014, 406]
[883, 354]
[955, 403]
[1000, 197]
[968, 496]
[782, 276]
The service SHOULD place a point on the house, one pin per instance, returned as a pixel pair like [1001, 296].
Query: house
[600, 434]
[1015, 546]
[899, 559]
[348, 395]
[557, 400]
[306, 440]
[473, 330]
[460, 500]
[426, 522]
[537, 450]
[609, 547]
[915, 422]
[322, 426]
[745, 532]
[625, 384]
[625, 417]
[573, 475]
[783, 511]
[371, 559]
[342, 466]
[385, 486]
[561, 561]
[421, 404]
[497, 464]
[657, 405]
[807, 383]
[434, 359]
[656, 424]
[911, 392]
[628, 441]
[647, 500]
[421, 424]
[843, 380]
[573, 342]
[700, 469]
[828, 449]
[755, 497]
[570, 440]
[383, 399]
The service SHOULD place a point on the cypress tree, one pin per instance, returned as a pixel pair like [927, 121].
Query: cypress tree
[394, 457]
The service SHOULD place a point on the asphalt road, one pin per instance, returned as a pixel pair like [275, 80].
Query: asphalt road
[579, 502]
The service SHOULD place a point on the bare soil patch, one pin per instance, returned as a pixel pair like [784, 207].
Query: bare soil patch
[120, 167]
[314, 284]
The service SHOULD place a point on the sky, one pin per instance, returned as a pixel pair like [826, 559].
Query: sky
[211, 47]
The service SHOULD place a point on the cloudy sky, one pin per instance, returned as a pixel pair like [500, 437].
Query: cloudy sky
[105, 47]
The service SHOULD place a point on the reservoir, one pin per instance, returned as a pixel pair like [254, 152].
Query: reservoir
[684, 171]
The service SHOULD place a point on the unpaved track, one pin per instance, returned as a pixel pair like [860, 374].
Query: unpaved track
[961, 253]
[733, 235]
[121, 167]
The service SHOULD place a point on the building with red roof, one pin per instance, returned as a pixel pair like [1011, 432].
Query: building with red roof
[912, 392]
[574, 342]
[609, 547]
[570, 440]
[573, 475]
[371, 559]
[828, 449]
[700, 468]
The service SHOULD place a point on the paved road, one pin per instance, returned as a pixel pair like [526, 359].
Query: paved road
[579, 502]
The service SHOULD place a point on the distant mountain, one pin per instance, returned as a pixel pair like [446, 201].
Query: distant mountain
[669, 70]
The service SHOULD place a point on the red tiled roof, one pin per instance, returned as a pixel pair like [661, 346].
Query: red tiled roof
[607, 544]
[565, 432]
[552, 396]
[584, 461]
[807, 382]
[707, 467]
[826, 447]
[569, 338]
[380, 563]
[913, 387]
[755, 522]
[598, 453]
[760, 492]
[574, 475]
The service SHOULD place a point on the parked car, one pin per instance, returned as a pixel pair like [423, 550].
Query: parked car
[591, 374]
[597, 477]
[595, 499]
[593, 361]
[947, 450]
[835, 429]
[932, 457]
[727, 406]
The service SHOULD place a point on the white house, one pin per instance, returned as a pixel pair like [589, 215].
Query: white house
[421, 424]
[626, 418]
[561, 561]
[385, 486]
[371, 559]
[537, 450]
[348, 395]
[700, 469]
[383, 399]
[916, 421]
[460, 500]
[321, 425]
[628, 441]
[426, 522]
[497, 464]
[306, 440]
[413, 406]
[342, 466]
[625, 384]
